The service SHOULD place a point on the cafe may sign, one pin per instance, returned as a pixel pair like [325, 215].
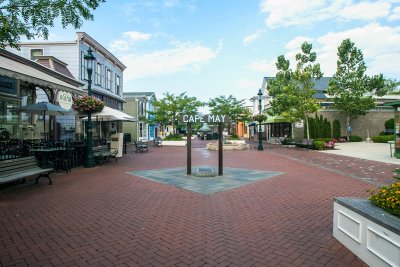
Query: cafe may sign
[204, 118]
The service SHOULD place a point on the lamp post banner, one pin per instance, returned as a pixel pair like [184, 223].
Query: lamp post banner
[210, 118]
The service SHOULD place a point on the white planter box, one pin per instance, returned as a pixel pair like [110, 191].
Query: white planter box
[173, 143]
[368, 231]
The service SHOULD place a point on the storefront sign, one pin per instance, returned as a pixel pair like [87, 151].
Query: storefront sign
[204, 118]
[65, 100]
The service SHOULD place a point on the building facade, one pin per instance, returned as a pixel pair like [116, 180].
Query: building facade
[107, 79]
[140, 105]
[24, 82]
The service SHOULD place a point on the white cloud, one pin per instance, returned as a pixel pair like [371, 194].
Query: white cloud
[127, 40]
[365, 11]
[265, 67]
[251, 37]
[182, 57]
[395, 14]
[296, 43]
[380, 56]
[305, 12]
[137, 36]
[248, 84]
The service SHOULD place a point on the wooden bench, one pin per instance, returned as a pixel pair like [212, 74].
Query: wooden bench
[141, 146]
[103, 153]
[306, 143]
[157, 141]
[21, 168]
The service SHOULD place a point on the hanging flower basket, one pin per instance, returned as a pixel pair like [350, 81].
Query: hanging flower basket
[86, 104]
[259, 117]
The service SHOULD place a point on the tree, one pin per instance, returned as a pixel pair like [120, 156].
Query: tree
[171, 108]
[235, 109]
[351, 89]
[31, 18]
[293, 92]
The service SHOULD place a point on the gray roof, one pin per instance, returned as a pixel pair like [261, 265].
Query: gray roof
[319, 85]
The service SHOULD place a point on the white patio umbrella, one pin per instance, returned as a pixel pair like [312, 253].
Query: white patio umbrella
[111, 114]
[43, 108]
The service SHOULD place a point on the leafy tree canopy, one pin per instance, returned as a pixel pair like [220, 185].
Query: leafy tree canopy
[31, 18]
[171, 108]
[351, 89]
[293, 91]
[232, 107]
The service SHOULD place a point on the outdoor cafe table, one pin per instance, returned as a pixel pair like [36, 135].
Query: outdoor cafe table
[45, 153]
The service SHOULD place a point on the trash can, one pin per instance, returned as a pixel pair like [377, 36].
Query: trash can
[209, 136]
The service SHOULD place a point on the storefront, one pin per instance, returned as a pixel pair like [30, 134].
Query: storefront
[24, 82]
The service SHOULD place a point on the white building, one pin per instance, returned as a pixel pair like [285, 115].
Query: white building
[107, 77]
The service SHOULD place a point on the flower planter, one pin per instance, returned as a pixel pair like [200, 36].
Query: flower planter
[368, 231]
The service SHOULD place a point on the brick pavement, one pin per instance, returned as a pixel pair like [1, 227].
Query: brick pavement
[104, 216]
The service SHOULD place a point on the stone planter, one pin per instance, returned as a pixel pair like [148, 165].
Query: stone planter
[368, 231]
[174, 143]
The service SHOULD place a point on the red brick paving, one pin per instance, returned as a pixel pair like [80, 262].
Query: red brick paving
[105, 217]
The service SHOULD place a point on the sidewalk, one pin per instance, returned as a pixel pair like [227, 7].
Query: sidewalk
[371, 151]
[118, 214]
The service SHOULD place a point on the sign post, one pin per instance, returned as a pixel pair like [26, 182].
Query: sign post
[189, 119]
[189, 149]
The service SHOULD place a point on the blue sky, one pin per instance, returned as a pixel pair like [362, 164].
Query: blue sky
[209, 48]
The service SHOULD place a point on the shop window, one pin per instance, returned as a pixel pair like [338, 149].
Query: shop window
[117, 84]
[99, 74]
[84, 65]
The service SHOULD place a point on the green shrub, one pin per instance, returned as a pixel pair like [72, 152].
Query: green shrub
[287, 141]
[234, 137]
[319, 145]
[382, 138]
[355, 138]
[323, 139]
[173, 137]
[327, 128]
[396, 155]
[336, 132]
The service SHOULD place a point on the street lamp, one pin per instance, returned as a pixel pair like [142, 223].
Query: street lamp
[89, 161]
[260, 146]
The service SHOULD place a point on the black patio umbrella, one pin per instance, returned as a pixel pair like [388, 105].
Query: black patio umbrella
[43, 108]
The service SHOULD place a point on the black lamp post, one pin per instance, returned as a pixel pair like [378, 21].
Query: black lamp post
[89, 161]
[260, 146]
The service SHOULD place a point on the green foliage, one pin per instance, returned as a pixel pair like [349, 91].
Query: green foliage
[319, 145]
[235, 109]
[293, 91]
[389, 124]
[234, 137]
[350, 88]
[382, 138]
[32, 18]
[327, 128]
[325, 140]
[171, 108]
[388, 198]
[173, 137]
[355, 138]
[336, 129]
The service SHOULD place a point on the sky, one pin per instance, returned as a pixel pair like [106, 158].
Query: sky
[210, 48]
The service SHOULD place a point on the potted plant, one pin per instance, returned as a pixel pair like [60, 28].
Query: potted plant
[370, 228]
[259, 118]
[86, 104]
